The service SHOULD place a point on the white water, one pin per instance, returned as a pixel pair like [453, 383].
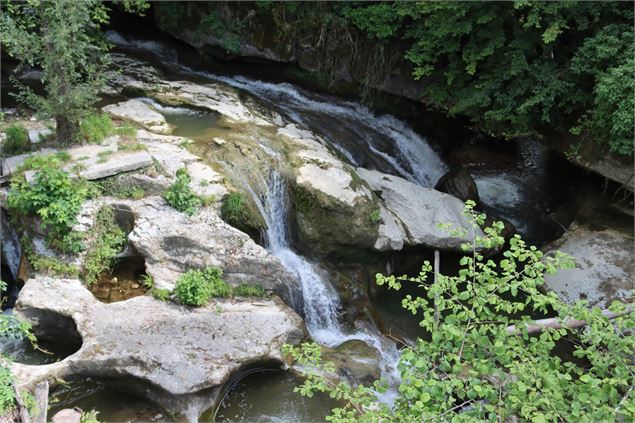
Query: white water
[321, 303]
[362, 137]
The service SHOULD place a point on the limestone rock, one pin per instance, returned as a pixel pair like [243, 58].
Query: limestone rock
[67, 415]
[179, 357]
[332, 204]
[172, 243]
[139, 112]
[419, 210]
[604, 266]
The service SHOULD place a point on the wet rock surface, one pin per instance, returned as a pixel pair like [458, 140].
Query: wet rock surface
[418, 210]
[179, 356]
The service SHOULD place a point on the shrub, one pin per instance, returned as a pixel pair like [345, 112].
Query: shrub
[120, 188]
[89, 417]
[56, 199]
[160, 294]
[17, 140]
[51, 265]
[180, 195]
[196, 287]
[107, 241]
[233, 209]
[244, 290]
[94, 128]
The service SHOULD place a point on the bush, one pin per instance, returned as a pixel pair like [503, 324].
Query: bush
[196, 287]
[180, 195]
[56, 199]
[94, 128]
[107, 241]
[17, 140]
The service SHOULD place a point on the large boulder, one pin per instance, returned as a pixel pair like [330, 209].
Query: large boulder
[176, 356]
[333, 206]
[459, 183]
[172, 243]
[418, 211]
[139, 112]
[604, 266]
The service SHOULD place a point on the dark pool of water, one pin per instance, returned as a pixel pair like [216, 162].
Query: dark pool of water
[112, 405]
[267, 396]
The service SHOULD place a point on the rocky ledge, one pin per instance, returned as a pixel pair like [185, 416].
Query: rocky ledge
[180, 357]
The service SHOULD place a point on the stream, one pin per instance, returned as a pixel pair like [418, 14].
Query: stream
[361, 138]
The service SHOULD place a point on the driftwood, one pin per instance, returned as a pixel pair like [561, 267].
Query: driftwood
[555, 323]
[41, 401]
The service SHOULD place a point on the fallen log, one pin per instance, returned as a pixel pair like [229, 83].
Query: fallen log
[538, 326]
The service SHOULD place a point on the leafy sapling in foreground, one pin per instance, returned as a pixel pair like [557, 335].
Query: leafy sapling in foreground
[479, 363]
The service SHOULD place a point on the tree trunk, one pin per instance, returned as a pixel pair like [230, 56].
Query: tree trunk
[67, 130]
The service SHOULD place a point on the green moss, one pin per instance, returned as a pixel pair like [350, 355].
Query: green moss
[303, 200]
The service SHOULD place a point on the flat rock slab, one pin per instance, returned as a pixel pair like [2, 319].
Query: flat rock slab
[140, 112]
[604, 266]
[94, 167]
[180, 356]
[10, 164]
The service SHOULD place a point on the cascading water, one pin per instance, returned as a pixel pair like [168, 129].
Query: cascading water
[320, 300]
[363, 138]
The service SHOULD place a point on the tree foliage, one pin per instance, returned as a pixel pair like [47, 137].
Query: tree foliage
[64, 39]
[472, 367]
[515, 67]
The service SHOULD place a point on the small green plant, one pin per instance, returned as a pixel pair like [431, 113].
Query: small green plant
[56, 199]
[17, 140]
[160, 294]
[233, 209]
[120, 188]
[207, 200]
[244, 290]
[147, 281]
[94, 128]
[89, 417]
[375, 217]
[126, 131]
[53, 266]
[104, 155]
[196, 287]
[180, 195]
[107, 240]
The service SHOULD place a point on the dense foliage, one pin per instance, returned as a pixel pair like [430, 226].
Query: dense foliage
[180, 195]
[52, 196]
[518, 66]
[480, 363]
[64, 39]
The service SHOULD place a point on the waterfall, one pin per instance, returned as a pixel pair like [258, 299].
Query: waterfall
[320, 299]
